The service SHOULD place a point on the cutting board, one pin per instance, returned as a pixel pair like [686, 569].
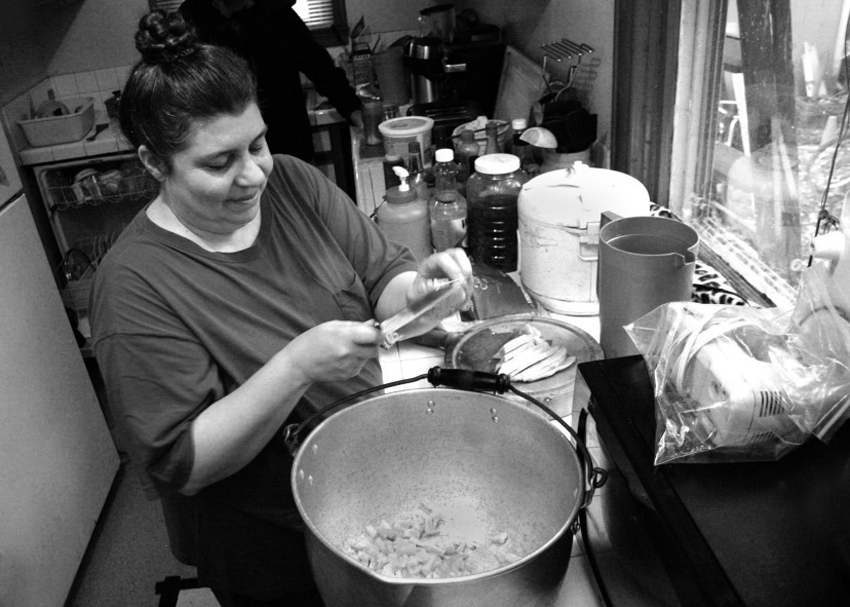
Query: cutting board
[520, 85]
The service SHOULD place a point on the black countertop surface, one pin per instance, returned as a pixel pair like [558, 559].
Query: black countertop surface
[762, 533]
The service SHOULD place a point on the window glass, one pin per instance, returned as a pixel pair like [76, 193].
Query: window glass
[780, 162]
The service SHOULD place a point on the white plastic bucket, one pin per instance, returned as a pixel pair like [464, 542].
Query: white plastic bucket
[399, 132]
[559, 215]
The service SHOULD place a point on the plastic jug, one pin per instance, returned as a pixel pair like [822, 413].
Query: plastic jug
[644, 262]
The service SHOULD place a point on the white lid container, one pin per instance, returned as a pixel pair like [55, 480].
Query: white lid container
[559, 215]
[399, 132]
[496, 164]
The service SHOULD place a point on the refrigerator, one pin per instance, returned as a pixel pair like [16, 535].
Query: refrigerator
[57, 457]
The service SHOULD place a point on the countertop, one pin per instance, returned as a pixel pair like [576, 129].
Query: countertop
[110, 141]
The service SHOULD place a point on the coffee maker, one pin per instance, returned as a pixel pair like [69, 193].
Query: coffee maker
[454, 59]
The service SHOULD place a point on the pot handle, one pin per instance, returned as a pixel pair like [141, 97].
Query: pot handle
[481, 381]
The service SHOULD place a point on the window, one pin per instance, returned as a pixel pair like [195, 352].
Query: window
[325, 18]
[743, 136]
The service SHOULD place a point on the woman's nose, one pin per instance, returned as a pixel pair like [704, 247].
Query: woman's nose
[252, 173]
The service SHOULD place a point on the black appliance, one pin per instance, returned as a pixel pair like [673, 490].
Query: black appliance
[447, 116]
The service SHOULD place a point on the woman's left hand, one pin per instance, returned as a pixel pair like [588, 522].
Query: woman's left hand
[451, 264]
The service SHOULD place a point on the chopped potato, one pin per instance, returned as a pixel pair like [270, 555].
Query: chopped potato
[413, 545]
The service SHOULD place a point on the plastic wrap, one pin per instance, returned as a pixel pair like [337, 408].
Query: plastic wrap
[735, 383]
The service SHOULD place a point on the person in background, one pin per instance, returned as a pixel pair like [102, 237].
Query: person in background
[244, 297]
[279, 47]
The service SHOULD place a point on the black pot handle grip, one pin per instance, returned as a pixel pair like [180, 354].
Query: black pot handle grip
[466, 379]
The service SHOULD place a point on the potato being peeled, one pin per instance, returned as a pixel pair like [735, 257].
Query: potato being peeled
[529, 357]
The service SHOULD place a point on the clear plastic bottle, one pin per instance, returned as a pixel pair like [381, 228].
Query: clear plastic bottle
[467, 151]
[447, 207]
[404, 217]
[523, 150]
[416, 167]
[492, 217]
[491, 129]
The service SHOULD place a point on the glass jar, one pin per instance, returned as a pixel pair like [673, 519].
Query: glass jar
[491, 196]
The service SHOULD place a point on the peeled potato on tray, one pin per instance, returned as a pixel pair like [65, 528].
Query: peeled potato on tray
[528, 357]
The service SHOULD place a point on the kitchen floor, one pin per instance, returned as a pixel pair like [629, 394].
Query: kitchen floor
[130, 553]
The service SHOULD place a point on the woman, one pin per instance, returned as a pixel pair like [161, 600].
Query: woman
[242, 298]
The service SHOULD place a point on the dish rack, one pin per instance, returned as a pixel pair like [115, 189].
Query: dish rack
[97, 190]
[89, 202]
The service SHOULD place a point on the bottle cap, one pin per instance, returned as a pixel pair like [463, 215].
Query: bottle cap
[402, 192]
[519, 124]
[414, 147]
[445, 155]
[467, 135]
[496, 164]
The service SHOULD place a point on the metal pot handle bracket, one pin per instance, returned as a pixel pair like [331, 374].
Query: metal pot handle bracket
[473, 381]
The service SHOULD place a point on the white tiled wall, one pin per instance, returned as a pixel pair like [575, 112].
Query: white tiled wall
[98, 84]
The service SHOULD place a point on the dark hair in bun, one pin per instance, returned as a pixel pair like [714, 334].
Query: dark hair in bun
[178, 82]
[164, 37]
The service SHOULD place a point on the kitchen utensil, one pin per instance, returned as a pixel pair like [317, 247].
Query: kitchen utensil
[580, 127]
[51, 107]
[448, 297]
[487, 463]
[356, 31]
[539, 136]
[98, 129]
[643, 262]
[476, 348]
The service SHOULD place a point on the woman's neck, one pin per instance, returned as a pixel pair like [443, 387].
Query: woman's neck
[218, 242]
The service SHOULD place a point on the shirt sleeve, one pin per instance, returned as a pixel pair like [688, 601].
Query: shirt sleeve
[159, 378]
[375, 258]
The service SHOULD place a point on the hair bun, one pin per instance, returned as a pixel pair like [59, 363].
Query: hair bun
[165, 37]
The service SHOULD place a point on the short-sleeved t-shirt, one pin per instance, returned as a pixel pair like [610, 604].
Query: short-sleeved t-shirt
[176, 327]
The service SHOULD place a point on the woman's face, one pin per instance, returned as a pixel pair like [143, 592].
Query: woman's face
[215, 183]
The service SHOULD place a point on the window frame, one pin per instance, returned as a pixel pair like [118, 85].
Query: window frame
[668, 51]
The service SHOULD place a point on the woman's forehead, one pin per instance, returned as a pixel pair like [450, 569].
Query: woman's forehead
[226, 130]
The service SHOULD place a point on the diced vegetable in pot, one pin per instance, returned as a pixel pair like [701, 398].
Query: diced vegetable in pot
[414, 545]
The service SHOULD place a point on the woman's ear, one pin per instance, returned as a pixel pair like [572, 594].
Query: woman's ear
[153, 163]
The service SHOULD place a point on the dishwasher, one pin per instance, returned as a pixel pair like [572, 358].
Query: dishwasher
[89, 202]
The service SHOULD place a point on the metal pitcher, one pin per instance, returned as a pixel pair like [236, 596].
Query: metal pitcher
[644, 262]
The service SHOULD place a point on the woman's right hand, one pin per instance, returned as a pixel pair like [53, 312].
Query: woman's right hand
[334, 351]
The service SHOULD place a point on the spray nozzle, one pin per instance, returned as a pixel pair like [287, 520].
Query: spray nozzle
[402, 175]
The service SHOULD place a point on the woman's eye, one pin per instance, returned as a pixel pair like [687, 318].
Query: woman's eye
[218, 166]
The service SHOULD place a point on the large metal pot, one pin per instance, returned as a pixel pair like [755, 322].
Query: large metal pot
[467, 453]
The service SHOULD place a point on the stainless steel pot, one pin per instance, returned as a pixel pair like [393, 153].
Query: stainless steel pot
[470, 453]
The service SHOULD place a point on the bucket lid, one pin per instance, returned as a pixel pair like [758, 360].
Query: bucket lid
[574, 198]
[406, 126]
